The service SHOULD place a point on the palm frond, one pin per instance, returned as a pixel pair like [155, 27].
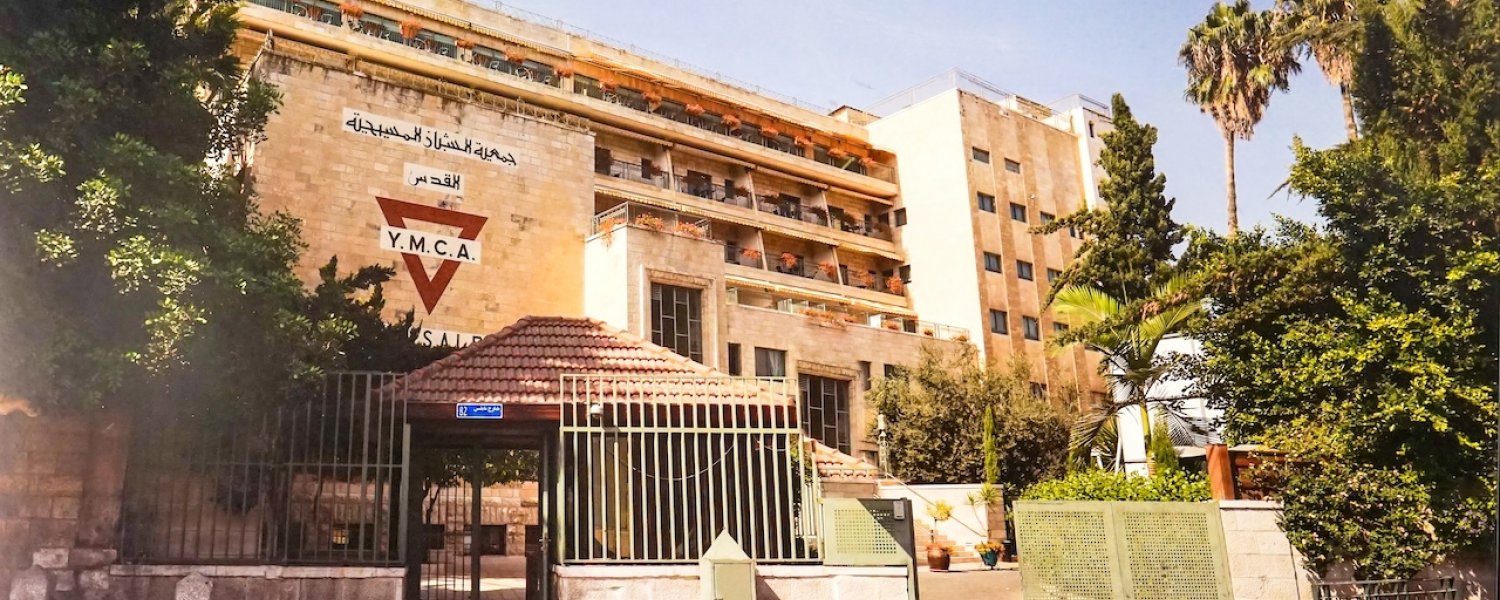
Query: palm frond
[1086, 305]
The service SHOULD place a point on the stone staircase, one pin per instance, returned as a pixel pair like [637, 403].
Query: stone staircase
[961, 555]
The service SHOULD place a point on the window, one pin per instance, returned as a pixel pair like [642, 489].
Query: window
[825, 410]
[1091, 129]
[734, 359]
[1032, 328]
[1012, 166]
[981, 155]
[900, 217]
[1048, 218]
[999, 321]
[1039, 390]
[1024, 270]
[1060, 327]
[676, 320]
[992, 262]
[864, 375]
[894, 371]
[770, 362]
[1018, 212]
[1052, 275]
[986, 202]
[1073, 233]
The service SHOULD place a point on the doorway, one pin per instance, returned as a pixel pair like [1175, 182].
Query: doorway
[476, 513]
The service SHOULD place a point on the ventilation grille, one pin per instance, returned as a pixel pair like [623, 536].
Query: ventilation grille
[867, 532]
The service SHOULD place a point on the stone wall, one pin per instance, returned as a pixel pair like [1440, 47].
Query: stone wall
[141, 582]
[61, 479]
[1262, 563]
[773, 582]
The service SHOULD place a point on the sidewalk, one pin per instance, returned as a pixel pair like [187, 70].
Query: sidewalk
[970, 581]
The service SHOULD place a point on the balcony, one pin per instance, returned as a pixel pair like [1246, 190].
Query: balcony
[845, 315]
[525, 64]
[654, 219]
[631, 171]
[712, 191]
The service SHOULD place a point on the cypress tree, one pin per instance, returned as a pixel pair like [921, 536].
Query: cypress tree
[1127, 246]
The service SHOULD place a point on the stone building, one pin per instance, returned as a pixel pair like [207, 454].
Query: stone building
[506, 168]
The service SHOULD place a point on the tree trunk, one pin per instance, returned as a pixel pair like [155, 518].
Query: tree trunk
[1350, 125]
[1145, 407]
[1232, 205]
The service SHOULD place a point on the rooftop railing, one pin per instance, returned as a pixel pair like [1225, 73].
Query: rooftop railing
[514, 65]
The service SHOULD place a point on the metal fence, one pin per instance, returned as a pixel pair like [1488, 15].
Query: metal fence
[653, 468]
[319, 481]
[1388, 589]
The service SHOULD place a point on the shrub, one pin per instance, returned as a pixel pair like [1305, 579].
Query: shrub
[1331, 509]
[1095, 484]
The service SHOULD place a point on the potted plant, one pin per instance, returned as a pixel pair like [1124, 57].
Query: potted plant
[752, 254]
[693, 109]
[352, 12]
[465, 49]
[515, 56]
[864, 278]
[651, 222]
[891, 325]
[938, 555]
[894, 284]
[960, 338]
[609, 85]
[607, 229]
[688, 229]
[839, 153]
[989, 552]
[788, 260]
[732, 122]
[802, 141]
[866, 161]
[410, 27]
[829, 270]
[927, 331]
[653, 99]
[769, 132]
[566, 70]
[816, 211]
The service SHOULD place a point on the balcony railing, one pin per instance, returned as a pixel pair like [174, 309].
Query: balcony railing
[884, 321]
[655, 219]
[711, 191]
[530, 70]
[919, 327]
[631, 171]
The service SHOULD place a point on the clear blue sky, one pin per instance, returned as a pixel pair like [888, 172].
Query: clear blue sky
[833, 52]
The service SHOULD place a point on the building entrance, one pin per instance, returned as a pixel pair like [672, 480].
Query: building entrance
[476, 515]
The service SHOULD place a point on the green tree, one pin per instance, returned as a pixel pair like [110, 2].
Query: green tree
[1329, 32]
[1127, 243]
[1235, 59]
[932, 409]
[1369, 345]
[1171, 485]
[1127, 333]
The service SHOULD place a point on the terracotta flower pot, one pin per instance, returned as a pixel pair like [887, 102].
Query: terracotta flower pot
[938, 558]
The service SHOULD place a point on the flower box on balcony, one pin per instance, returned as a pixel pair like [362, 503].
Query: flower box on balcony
[410, 27]
[693, 109]
[732, 122]
[515, 56]
[802, 141]
[769, 132]
[352, 10]
[565, 70]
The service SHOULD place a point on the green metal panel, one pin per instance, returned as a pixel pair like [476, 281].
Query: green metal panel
[867, 532]
[1122, 550]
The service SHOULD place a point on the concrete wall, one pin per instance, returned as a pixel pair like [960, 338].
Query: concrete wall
[61, 479]
[971, 524]
[774, 582]
[159, 582]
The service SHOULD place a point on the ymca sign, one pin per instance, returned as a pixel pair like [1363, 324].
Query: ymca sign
[414, 245]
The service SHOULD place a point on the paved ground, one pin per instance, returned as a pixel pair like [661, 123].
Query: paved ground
[970, 581]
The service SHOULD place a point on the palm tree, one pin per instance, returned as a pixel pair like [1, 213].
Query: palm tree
[1127, 334]
[1329, 32]
[1235, 58]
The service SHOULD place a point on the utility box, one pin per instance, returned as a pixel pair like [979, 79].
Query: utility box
[725, 572]
[868, 532]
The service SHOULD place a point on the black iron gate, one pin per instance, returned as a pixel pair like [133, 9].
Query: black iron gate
[316, 481]
[470, 540]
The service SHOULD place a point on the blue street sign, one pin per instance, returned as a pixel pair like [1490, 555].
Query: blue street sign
[480, 410]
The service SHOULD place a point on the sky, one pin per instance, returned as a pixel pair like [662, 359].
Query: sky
[833, 52]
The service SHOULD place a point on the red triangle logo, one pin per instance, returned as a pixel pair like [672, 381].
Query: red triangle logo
[430, 288]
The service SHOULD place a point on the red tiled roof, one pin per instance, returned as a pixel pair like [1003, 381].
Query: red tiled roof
[833, 464]
[524, 363]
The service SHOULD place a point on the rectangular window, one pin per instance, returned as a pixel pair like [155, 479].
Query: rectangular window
[1018, 212]
[1073, 233]
[1012, 166]
[981, 155]
[999, 321]
[825, 410]
[1052, 275]
[1039, 390]
[734, 359]
[770, 362]
[1024, 270]
[864, 375]
[992, 262]
[1032, 328]
[1047, 218]
[894, 371]
[986, 202]
[900, 217]
[676, 320]
[1060, 327]
[1091, 129]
